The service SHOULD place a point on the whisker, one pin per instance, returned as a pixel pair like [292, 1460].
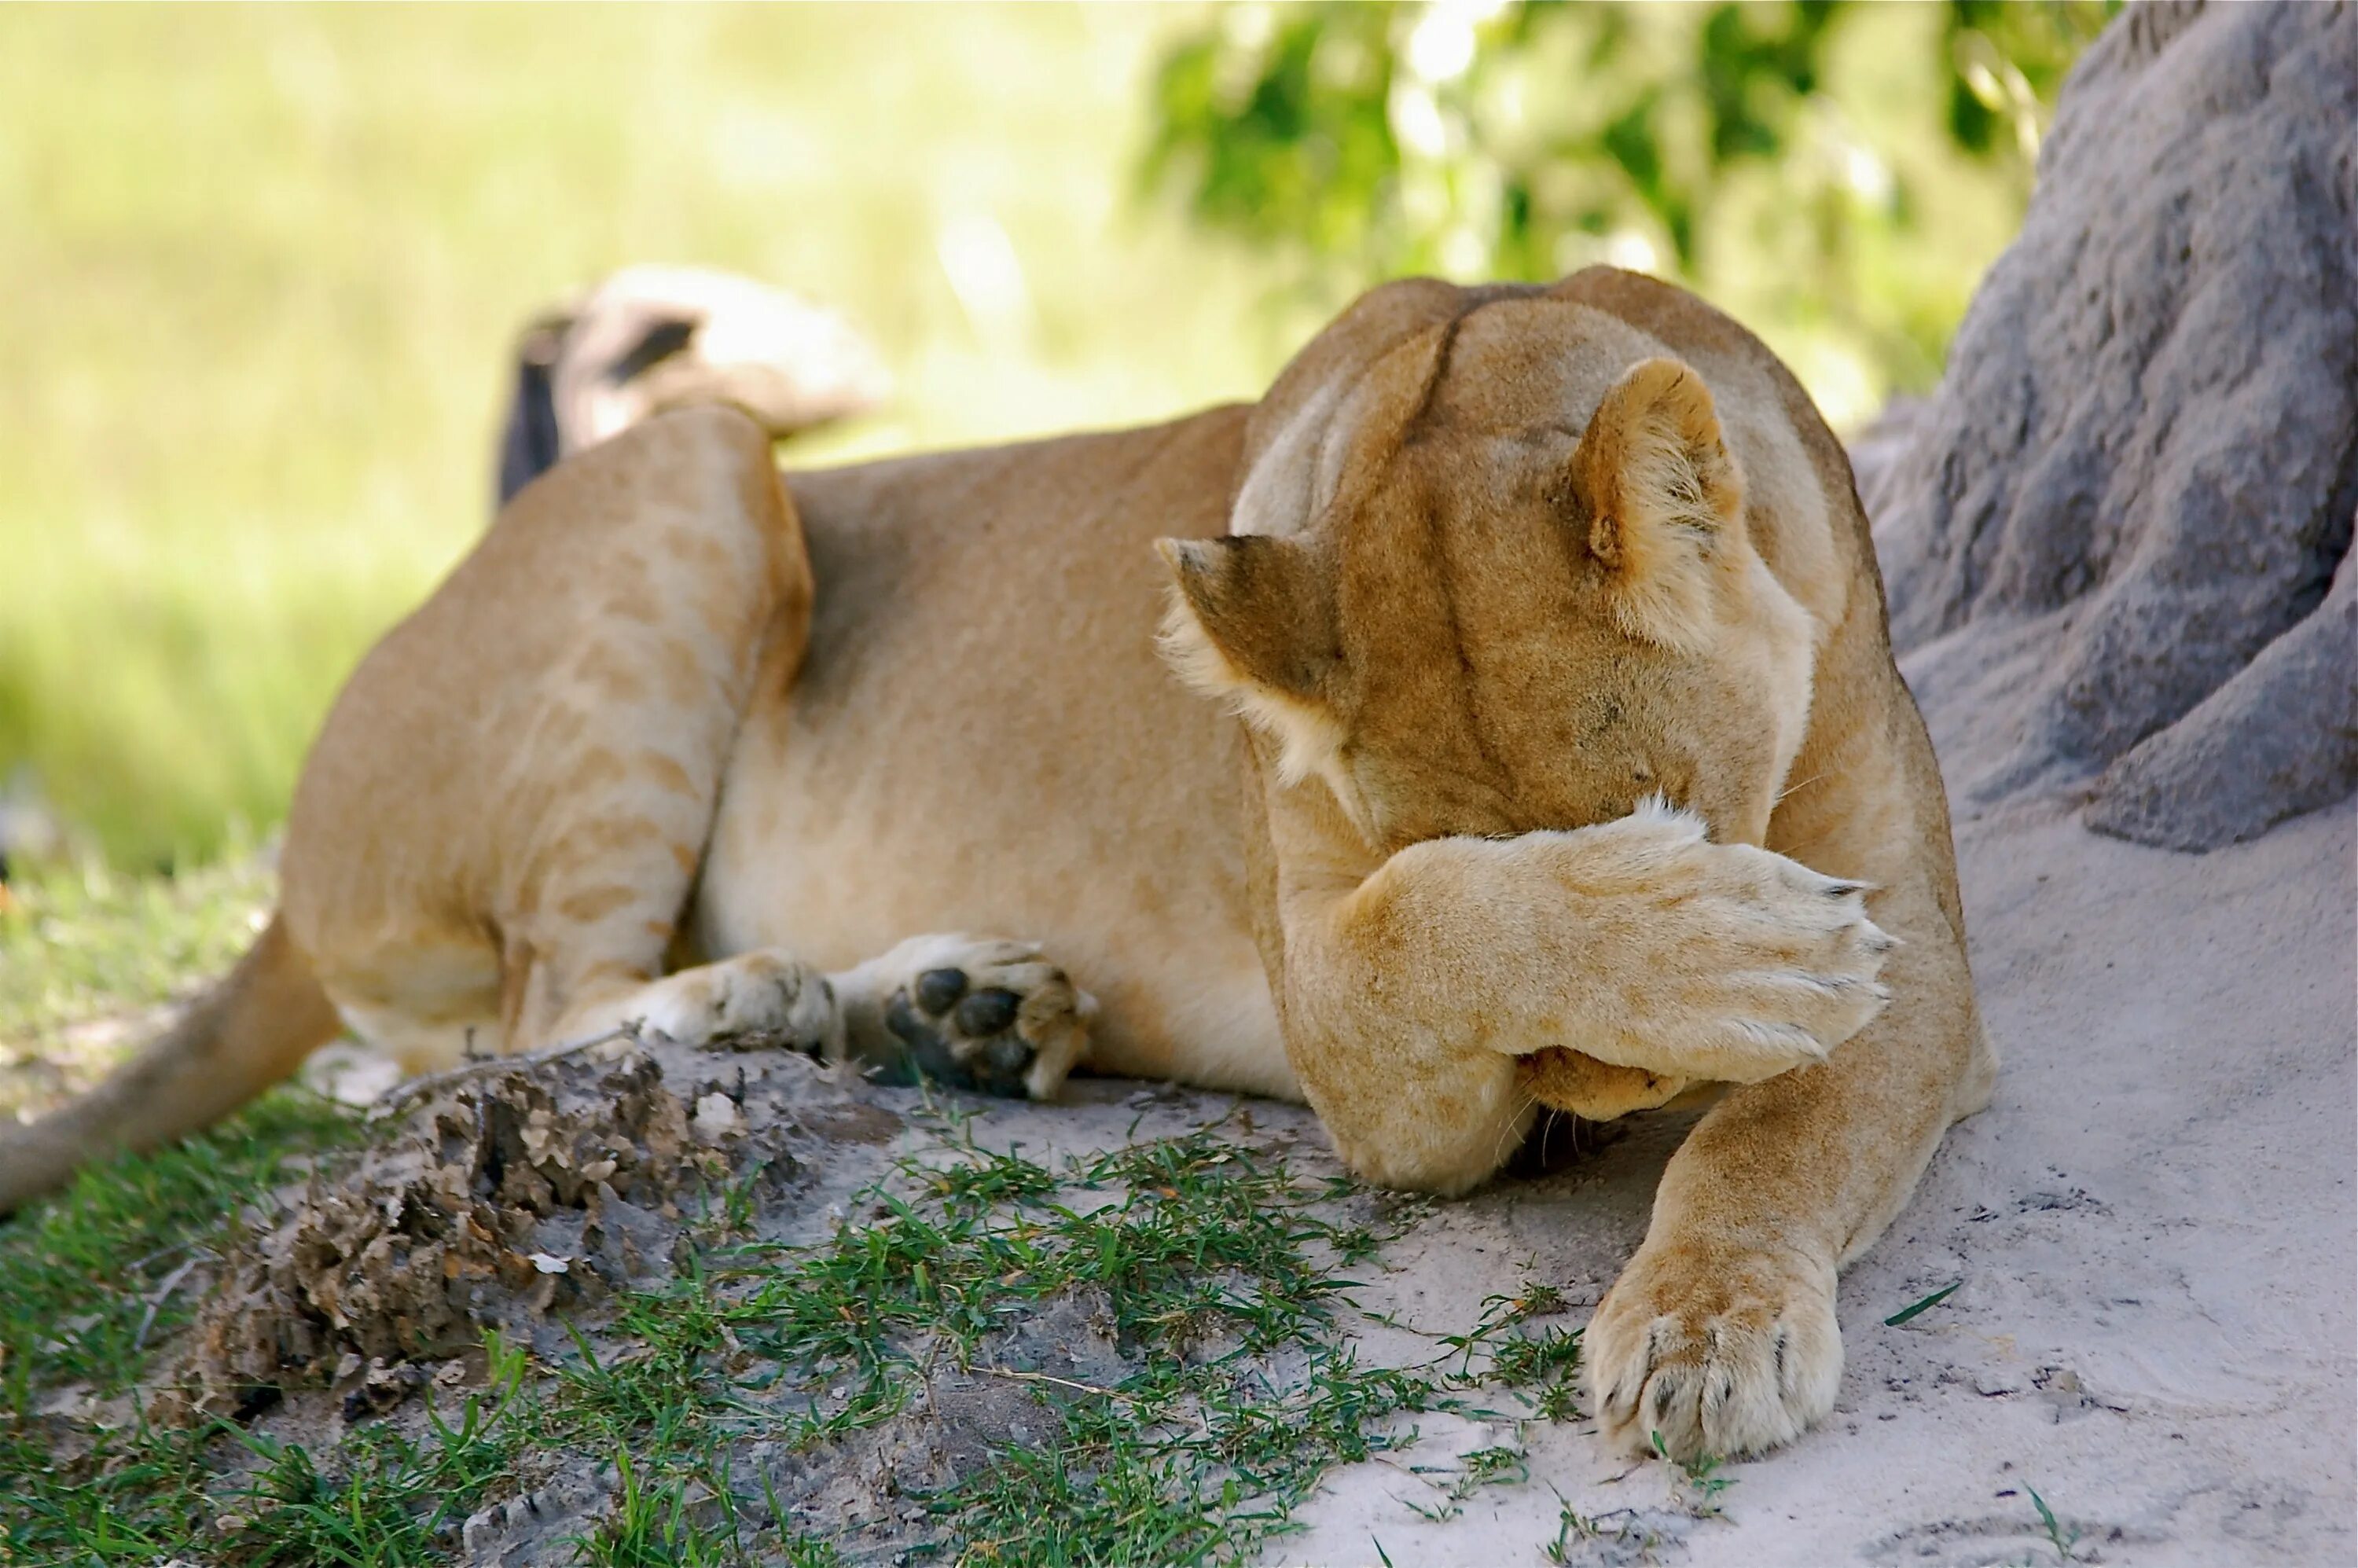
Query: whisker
[1794, 852]
[1499, 1153]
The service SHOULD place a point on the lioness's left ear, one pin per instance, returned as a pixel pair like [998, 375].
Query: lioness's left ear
[1663, 499]
[1252, 622]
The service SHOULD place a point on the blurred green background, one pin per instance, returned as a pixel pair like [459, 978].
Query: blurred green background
[260, 269]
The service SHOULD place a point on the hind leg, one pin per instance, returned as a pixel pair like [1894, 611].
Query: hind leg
[496, 838]
[497, 830]
[694, 607]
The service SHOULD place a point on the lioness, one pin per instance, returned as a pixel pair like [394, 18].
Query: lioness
[1556, 748]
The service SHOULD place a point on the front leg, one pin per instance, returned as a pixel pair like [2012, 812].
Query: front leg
[1720, 1335]
[1408, 997]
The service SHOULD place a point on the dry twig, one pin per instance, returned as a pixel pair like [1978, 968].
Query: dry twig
[401, 1093]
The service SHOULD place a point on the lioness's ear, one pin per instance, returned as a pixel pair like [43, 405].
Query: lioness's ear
[1252, 623]
[1663, 499]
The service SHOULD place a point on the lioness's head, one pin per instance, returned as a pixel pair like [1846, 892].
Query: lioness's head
[1488, 572]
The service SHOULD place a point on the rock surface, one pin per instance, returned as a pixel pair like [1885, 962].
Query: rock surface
[2109, 546]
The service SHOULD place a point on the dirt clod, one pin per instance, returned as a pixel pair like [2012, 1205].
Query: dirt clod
[503, 1197]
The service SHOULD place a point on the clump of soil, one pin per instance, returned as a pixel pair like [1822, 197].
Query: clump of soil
[746, 1296]
[512, 1191]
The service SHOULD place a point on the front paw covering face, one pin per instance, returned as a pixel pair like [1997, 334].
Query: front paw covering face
[1544, 647]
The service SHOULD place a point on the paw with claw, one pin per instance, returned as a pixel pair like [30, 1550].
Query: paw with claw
[1718, 1351]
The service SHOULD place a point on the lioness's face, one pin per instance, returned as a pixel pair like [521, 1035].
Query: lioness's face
[1498, 610]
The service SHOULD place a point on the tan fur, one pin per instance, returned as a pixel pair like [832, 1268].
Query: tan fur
[1565, 742]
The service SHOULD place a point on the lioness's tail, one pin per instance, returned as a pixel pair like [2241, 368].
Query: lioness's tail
[240, 1037]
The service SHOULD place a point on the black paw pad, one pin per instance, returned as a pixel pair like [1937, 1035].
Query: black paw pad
[988, 1012]
[937, 990]
[999, 1067]
[975, 1047]
[927, 1055]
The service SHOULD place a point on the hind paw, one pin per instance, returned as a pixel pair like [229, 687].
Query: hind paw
[988, 1015]
[761, 998]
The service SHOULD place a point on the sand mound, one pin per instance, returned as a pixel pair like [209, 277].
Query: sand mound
[2110, 544]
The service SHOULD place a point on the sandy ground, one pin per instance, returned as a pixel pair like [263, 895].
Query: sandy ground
[2154, 1224]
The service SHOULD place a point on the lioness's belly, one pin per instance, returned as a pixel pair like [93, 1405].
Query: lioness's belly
[982, 739]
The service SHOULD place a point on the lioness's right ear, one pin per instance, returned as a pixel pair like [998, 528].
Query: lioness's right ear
[1252, 623]
[1664, 500]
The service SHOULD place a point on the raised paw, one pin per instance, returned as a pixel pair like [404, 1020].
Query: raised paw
[1750, 964]
[1697, 1351]
[988, 1015]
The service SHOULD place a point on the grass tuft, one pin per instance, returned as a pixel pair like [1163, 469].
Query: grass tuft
[91, 1281]
[1212, 1278]
[2057, 1537]
[1918, 1309]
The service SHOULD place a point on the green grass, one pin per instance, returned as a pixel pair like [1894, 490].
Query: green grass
[1223, 1276]
[147, 1493]
[79, 941]
[2058, 1537]
[1617, 1527]
[77, 1273]
[265, 266]
[388, 1500]
[1186, 1461]
[1916, 1309]
[1699, 1479]
[91, 1287]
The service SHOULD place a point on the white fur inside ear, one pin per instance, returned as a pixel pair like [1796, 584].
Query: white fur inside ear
[1308, 737]
[1662, 470]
